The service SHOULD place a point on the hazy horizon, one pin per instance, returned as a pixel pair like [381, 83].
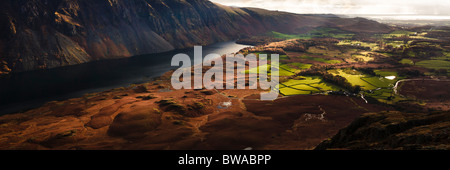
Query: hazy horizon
[349, 7]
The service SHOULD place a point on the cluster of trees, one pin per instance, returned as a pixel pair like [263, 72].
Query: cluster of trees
[330, 78]
[424, 51]
[298, 47]
[414, 50]
[441, 72]
[258, 40]
[364, 37]
[368, 71]
[403, 38]
[438, 34]
[263, 49]
[409, 73]
[301, 45]
[341, 81]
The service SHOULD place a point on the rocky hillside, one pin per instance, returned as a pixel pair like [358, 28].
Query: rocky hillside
[394, 130]
[41, 34]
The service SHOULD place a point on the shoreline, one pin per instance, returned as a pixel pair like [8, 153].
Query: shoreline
[94, 81]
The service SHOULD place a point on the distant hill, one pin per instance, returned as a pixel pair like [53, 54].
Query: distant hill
[42, 34]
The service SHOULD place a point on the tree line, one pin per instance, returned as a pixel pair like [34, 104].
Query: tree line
[330, 78]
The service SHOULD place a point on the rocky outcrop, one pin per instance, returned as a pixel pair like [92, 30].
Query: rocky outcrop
[394, 130]
[41, 34]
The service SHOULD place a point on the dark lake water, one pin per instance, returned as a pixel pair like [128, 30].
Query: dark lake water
[22, 91]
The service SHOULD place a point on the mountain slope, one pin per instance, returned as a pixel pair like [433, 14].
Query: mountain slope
[393, 130]
[41, 34]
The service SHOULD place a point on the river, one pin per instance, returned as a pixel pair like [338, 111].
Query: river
[27, 90]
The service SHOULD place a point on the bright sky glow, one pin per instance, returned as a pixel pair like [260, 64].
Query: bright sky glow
[418, 7]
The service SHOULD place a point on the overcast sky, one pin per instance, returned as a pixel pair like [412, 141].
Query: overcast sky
[422, 7]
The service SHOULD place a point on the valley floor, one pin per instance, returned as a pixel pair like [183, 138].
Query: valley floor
[325, 85]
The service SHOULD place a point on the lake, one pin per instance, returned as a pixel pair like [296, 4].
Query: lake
[27, 90]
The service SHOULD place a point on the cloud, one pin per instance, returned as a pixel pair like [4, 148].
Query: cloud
[428, 7]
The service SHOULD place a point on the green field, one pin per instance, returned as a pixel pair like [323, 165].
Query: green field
[381, 95]
[268, 56]
[366, 82]
[285, 70]
[385, 96]
[378, 82]
[400, 33]
[306, 85]
[362, 58]
[406, 61]
[434, 64]
[321, 60]
[258, 69]
[315, 33]
[446, 56]
[301, 66]
[378, 87]
[397, 33]
[358, 43]
[396, 43]
[333, 62]
[386, 73]
[288, 36]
